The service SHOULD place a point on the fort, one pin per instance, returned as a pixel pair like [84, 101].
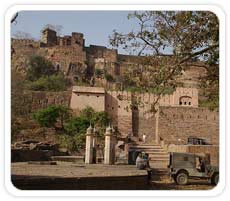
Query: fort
[178, 117]
[70, 56]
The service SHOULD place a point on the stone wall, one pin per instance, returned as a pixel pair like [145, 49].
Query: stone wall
[64, 56]
[176, 124]
[41, 99]
[117, 105]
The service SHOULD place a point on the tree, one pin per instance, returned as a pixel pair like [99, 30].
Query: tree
[99, 72]
[87, 116]
[171, 42]
[56, 82]
[76, 127]
[50, 116]
[14, 18]
[109, 77]
[38, 66]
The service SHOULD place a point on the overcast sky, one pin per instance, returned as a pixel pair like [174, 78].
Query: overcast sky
[95, 25]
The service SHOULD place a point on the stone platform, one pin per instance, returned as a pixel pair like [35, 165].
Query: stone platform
[73, 176]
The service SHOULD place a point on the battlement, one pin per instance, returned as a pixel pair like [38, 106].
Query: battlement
[24, 42]
[49, 38]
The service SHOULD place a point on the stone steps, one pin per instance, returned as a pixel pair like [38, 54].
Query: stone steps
[159, 158]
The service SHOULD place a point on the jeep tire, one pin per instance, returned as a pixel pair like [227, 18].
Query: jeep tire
[181, 178]
[215, 179]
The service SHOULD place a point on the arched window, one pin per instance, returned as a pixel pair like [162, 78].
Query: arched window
[185, 101]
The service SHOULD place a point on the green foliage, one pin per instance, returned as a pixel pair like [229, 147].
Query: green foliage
[109, 77]
[72, 143]
[48, 117]
[77, 125]
[49, 83]
[73, 131]
[38, 66]
[87, 116]
[88, 113]
[98, 72]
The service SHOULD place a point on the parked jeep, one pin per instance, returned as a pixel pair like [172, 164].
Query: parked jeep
[183, 166]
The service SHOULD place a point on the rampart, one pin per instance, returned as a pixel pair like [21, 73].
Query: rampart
[176, 124]
[38, 100]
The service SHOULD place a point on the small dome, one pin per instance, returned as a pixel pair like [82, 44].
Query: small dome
[108, 129]
[90, 129]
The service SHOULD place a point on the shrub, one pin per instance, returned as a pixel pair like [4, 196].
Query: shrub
[109, 77]
[77, 125]
[38, 66]
[52, 83]
[48, 117]
[98, 72]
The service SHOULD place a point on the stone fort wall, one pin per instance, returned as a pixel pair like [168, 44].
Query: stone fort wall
[176, 123]
[38, 100]
[180, 122]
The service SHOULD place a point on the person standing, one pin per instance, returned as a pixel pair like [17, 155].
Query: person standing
[144, 138]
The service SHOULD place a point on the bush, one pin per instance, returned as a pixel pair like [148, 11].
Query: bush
[38, 66]
[48, 117]
[77, 125]
[109, 77]
[72, 143]
[98, 72]
[51, 83]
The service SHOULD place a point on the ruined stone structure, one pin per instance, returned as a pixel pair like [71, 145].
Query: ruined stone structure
[70, 55]
[178, 116]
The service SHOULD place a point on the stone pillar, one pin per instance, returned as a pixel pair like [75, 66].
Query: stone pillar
[108, 155]
[89, 146]
[157, 124]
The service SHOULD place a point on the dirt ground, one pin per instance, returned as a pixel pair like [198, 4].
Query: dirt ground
[167, 184]
[66, 169]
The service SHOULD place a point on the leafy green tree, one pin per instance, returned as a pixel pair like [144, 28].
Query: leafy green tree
[109, 77]
[171, 42]
[49, 83]
[38, 66]
[77, 125]
[99, 72]
[88, 113]
[50, 116]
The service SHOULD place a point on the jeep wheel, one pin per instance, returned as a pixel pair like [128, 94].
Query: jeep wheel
[215, 179]
[182, 178]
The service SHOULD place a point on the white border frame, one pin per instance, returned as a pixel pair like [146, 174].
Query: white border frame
[14, 191]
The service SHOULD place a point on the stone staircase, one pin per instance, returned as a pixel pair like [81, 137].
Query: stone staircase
[159, 158]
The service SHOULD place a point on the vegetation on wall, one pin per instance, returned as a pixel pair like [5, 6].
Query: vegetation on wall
[99, 72]
[38, 66]
[52, 116]
[56, 82]
[42, 76]
[109, 77]
[72, 130]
